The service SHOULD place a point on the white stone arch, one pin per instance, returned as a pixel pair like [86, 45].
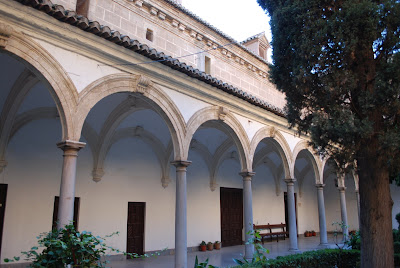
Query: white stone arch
[278, 141]
[232, 128]
[123, 82]
[44, 66]
[261, 159]
[315, 161]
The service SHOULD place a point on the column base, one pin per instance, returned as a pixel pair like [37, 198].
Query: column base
[323, 246]
[294, 251]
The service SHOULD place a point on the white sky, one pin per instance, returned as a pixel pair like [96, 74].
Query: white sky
[239, 19]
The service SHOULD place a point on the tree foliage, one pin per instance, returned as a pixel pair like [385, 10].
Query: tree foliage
[337, 61]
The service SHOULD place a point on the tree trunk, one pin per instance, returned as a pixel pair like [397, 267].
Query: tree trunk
[376, 211]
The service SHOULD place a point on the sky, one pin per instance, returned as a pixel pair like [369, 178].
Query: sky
[237, 18]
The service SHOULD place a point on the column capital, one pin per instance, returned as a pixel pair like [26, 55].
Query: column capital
[320, 185]
[3, 164]
[70, 145]
[247, 175]
[341, 188]
[290, 180]
[181, 163]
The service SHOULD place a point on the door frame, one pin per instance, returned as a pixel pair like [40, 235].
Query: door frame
[241, 207]
[287, 212]
[3, 200]
[144, 228]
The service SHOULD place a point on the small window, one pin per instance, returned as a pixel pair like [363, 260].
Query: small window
[207, 65]
[262, 53]
[149, 35]
[82, 7]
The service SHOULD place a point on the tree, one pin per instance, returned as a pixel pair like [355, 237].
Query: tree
[338, 63]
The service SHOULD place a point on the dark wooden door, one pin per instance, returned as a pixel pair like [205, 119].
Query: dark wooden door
[55, 212]
[287, 213]
[231, 216]
[135, 228]
[3, 199]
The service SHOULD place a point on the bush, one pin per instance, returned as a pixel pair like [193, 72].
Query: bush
[355, 240]
[318, 259]
[398, 220]
[396, 259]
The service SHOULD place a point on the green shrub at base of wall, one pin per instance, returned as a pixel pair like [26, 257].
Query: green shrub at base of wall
[325, 258]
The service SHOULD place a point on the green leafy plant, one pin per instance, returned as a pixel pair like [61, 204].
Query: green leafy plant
[355, 240]
[203, 264]
[327, 258]
[339, 226]
[203, 243]
[259, 257]
[67, 246]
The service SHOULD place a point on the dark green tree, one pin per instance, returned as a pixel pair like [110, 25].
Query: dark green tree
[338, 63]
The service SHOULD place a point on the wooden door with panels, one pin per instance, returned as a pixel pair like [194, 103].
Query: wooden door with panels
[231, 216]
[3, 199]
[135, 227]
[55, 212]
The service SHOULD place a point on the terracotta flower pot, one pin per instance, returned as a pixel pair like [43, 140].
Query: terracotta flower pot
[217, 246]
[210, 246]
[203, 247]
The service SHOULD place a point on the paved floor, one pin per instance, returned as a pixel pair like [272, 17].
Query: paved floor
[223, 257]
[220, 258]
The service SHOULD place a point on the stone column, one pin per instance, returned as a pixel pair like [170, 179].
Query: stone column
[68, 177]
[181, 214]
[343, 209]
[322, 219]
[358, 206]
[248, 211]
[292, 215]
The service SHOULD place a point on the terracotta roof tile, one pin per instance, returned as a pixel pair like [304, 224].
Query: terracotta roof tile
[70, 17]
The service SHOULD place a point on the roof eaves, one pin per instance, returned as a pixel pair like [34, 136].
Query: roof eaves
[103, 31]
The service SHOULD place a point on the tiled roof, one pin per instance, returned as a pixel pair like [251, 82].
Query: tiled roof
[252, 38]
[94, 27]
[215, 29]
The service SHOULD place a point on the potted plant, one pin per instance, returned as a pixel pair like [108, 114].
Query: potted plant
[203, 246]
[313, 233]
[306, 234]
[217, 245]
[210, 246]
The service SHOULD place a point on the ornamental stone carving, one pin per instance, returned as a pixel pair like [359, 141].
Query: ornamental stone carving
[272, 132]
[139, 3]
[222, 112]
[175, 23]
[5, 33]
[153, 11]
[143, 84]
[3, 164]
[161, 15]
[97, 174]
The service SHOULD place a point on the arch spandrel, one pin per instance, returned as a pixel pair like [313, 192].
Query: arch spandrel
[280, 144]
[124, 82]
[235, 129]
[315, 160]
[45, 66]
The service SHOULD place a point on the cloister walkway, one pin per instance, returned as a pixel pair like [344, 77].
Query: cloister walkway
[223, 258]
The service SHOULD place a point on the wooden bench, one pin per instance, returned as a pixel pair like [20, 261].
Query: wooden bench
[267, 231]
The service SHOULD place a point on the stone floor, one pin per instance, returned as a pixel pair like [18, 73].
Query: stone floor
[220, 258]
